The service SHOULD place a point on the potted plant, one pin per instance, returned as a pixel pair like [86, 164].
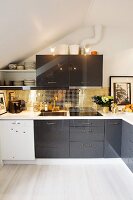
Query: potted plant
[104, 101]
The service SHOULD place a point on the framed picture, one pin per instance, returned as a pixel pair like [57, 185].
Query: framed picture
[121, 87]
[2, 103]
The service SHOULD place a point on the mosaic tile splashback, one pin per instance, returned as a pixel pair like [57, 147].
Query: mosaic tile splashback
[64, 98]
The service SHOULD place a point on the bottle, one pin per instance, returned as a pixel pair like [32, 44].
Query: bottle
[45, 106]
[82, 51]
[50, 107]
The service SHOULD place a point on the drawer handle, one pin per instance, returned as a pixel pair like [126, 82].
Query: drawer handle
[51, 82]
[87, 145]
[51, 123]
[87, 131]
[115, 123]
[89, 123]
[16, 131]
[16, 123]
[84, 82]
[90, 131]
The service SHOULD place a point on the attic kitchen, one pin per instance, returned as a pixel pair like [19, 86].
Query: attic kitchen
[66, 110]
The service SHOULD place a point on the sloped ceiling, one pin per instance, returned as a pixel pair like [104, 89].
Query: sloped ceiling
[27, 26]
[111, 13]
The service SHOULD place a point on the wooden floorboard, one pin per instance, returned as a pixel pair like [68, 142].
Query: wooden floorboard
[68, 182]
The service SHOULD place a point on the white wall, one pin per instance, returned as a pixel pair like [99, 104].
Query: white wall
[116, 46]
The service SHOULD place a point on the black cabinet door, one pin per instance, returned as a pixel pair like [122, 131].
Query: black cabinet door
[127, 144]
[63, 71]
[94, 70]
[86, 70]
[78, 70]
[113, 132]
[51, 138]
[52, 71]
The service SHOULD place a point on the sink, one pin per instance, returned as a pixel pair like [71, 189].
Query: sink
[55, 113]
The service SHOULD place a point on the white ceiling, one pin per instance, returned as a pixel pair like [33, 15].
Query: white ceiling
[111, 13]
[27, 26]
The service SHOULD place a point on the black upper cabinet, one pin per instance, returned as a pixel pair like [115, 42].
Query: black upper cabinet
[86, 70]
[52, 71]
[77, 70]
[94, 70]
[63, 71]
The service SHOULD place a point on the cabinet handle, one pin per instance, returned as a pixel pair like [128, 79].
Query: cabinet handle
[51, 82]
[89, 123]
[87, 131]
[16, 123]
[115, 123]
[87, 145]
[24, 132]
[16, 131]
[84, 82]
[51, 123]
[90, 131]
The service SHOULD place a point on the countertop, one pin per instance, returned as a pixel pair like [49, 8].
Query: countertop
[27, 115]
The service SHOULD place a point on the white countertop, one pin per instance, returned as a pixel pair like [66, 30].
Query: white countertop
[25, 115]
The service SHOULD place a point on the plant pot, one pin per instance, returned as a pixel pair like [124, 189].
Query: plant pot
[105, 109]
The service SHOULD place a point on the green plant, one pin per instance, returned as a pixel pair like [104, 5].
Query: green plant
[104, 101]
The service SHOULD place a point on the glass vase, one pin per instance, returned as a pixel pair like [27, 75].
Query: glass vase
[105, 109]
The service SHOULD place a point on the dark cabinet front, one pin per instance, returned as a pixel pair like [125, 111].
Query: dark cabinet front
[77, 70]
[52, 71]
[113, 132]
[127, 144]
[86, 70]
[62, 71]
[86, 138]
[51, 138]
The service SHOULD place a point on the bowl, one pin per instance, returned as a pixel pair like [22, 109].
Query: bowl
[29, 65]
[12, 66]
[20, 67]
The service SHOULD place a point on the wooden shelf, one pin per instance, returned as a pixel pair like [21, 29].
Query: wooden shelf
[13, 71]
[17, 87]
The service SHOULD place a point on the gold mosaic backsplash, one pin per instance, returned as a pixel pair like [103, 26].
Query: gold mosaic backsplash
[65, 98]
[85, 96]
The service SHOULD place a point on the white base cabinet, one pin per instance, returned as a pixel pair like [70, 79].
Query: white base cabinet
[17, 139]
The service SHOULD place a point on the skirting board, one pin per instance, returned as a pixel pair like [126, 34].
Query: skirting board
[67, 161]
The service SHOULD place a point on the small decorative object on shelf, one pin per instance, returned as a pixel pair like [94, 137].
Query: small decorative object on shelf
[104, 101]
[74, 49]
[128, 108]
[12, 66]
[114, 108]
[94, 53]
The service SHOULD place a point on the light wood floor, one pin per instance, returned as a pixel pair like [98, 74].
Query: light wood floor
[69, 182]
